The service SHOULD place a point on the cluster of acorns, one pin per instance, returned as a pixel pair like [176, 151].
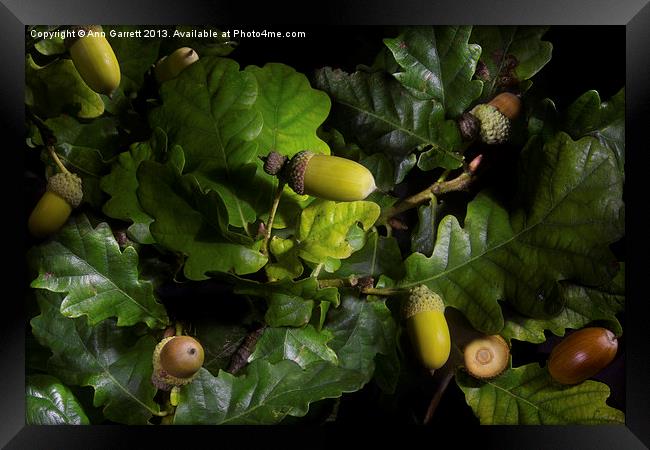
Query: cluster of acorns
[177, 359]
[96, 63]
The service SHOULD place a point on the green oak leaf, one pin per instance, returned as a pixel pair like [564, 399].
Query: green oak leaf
[114, 360]
[49, 402]
[209, 111]
[380, 255]
[288, 310]
[511, 55]
[58, 88]
[325, 228]
[288, 264]
[291, 108]
[303, 346]
[528, 395]
[190, 221]
[51, 45]
[569, 207]
[378, 113]
[583, 306]
[588, 116]
[289, 303]
[135, 56]
[438, 64]
[100, 280]
[423, 237]
[268, 392]
[122, 185]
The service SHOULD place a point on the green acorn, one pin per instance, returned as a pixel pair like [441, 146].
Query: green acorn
[324, 176]
[169, 67]
[94, 59]
[64, 192]
[424, 312]
[176, 361]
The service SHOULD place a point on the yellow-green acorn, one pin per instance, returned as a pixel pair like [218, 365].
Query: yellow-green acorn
[324, 176]
[94, 59]
[176, 361]
[486, 357]
[64, 192]
[169, 67]
[424, 312]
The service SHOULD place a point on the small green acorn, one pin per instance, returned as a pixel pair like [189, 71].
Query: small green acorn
[323, 176]
[170, 66]
[176, 361]
[94, 59]
[424, 312]
[64, 192]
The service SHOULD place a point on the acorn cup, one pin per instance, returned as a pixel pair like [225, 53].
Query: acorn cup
[486, 357]
[323, 176]
[491, 121]
[94, 59]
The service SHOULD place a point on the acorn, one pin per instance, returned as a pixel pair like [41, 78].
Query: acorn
[494, 119]
[424, 312]
[486, 357]
[63, 194]
[323, 176]
[582, 354]
[94, 59]
[170, 66]
[176, 361]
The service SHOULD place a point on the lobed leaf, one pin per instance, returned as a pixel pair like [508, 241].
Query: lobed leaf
[528, 395]
[99, 280]
[569, 207]
[114, 360]
[438, 63]
[49, 402]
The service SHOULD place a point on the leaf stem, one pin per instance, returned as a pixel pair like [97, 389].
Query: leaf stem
[56, 159]
[269, 224]
[460, 183]
[386, 292]
[441, 388]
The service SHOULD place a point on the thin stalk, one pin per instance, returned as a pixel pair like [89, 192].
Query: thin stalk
[56, 159]
[269, 225]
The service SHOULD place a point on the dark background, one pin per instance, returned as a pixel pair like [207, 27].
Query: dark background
[583, 58]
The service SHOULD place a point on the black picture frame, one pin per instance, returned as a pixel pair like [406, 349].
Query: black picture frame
[633, 14]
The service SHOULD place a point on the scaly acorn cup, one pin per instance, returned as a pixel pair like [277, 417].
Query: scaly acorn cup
[492, 120]
[323, 176]
[176, 361]
[170, 66]
[64, 192]
[94, 59]
[486, 357]
[424, 312]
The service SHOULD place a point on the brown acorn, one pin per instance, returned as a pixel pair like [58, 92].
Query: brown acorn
[508, 104]
[582, 355]
[176, 361]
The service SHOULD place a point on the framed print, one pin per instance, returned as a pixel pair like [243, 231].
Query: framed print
[413, 215]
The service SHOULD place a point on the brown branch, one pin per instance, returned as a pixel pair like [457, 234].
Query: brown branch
[239, 359]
